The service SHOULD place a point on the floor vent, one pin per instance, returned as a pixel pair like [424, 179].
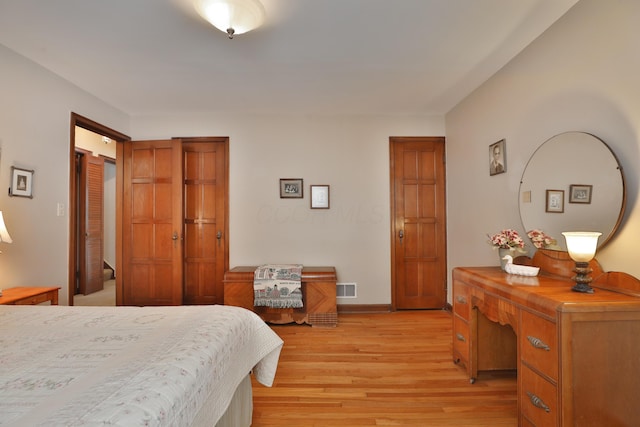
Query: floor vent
[346, 290]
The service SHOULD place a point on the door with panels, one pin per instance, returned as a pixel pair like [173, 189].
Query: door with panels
[205, 219]
[174, 221]
[418, 222]
[152, 223]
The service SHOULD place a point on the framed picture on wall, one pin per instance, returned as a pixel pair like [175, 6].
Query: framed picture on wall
[497, 158]
[319, 197]
[555, 201]
[21, 182]
[291, 188]
[579, 193]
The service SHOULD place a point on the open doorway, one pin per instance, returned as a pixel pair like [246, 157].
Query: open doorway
[92, 258]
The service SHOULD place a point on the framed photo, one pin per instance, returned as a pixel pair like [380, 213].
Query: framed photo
[497, 158]
[21, 182]
[579, 193]
[319, 197]
[555, 201]
[291, 188]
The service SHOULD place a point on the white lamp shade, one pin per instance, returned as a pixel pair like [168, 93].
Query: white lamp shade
[582, 245]
[239, 15]
[4, 234]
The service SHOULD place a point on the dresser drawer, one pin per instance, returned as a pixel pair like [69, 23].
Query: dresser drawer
[527, 423]
[461, 344]
[538, 399]
[461, 300]
[33, 300]
[539, 344]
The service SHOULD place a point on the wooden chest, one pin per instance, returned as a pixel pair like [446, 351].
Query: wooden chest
[318, 296]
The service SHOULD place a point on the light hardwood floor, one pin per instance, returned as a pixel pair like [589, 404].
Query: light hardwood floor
[389, 369]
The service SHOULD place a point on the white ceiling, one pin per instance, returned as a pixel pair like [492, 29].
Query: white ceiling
[311, 56]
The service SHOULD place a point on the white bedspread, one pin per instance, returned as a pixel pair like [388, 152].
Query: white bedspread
[127, 366]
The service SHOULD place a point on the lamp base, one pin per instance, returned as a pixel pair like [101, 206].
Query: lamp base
[582, 287]
[582, 278]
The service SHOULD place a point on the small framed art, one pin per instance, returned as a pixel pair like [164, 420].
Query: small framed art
[21, 182]
[555, 201]
[319, 197]
[497, 158]
[579, 193]
[291, 188]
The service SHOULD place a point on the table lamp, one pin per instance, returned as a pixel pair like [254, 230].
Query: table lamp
[4, 234]
[582, 248]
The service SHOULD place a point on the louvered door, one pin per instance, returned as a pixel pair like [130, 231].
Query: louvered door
[91, 224]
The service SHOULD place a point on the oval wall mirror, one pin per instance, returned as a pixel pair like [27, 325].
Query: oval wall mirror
[572, 182]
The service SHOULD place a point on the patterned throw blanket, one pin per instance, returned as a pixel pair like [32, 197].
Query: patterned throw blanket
[278, 286]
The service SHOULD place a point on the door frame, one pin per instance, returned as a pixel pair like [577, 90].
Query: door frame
[395, 226]
[118, 137]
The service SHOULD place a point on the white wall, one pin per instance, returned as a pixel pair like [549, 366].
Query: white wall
[581, 75]
[349, 153]
[93, 142]
[35, 110]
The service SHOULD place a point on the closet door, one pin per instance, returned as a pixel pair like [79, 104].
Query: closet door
[91, 223]
[418, 264]
[205, 219]
[152, 223]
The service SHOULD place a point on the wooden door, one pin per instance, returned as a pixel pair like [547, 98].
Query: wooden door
[205, 219]
[91, 223]
[418, 252]
[152, 223]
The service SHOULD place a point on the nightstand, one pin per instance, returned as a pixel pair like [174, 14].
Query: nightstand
[29, 295]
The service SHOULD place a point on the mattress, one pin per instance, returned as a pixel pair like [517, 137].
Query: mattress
[128, 366]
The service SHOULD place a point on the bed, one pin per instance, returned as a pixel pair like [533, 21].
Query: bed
[130, 366]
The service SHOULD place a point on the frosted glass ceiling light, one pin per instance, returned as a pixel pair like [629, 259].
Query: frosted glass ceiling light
[232, 16]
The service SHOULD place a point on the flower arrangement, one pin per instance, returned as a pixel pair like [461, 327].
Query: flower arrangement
[540, 239]
[507, 239]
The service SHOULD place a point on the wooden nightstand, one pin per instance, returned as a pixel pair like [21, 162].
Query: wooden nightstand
[29, 295]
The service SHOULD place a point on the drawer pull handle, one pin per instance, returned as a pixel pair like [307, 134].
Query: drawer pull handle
[460, 299]
[460, 337]
[537, 402]
[538, 343]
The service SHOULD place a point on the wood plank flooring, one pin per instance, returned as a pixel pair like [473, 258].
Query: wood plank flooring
[388, 369]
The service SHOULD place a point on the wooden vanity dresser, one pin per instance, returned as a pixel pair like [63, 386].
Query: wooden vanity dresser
[577, 355]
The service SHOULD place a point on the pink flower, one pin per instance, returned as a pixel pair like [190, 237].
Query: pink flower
[506, 239]
[540, 239]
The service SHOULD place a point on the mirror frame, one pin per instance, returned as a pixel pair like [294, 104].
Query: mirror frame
[606, 237]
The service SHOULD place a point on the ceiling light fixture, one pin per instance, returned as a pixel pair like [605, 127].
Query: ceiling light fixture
[232, 16]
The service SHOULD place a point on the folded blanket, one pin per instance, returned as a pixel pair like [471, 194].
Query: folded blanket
[278, 286]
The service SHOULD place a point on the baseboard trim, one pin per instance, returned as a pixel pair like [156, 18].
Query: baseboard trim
[364, 308]
[375, 308]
